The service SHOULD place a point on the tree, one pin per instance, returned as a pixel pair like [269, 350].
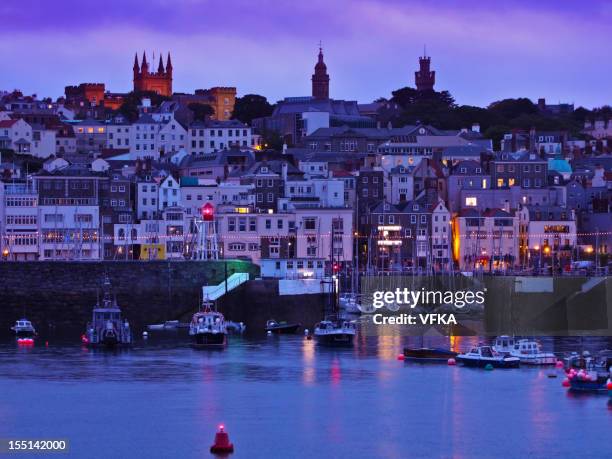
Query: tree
[512, 108]
[201, 112]
[272, 140]
[251, 106]
[133, 99]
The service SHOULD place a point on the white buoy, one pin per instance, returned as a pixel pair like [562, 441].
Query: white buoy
[269, 332]
[145, 334]
[306, 331]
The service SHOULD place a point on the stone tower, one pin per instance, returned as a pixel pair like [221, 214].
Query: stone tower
[424, 78]
[159, 82]
[320, 79]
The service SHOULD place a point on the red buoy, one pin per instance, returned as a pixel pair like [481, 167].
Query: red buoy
[609, 385]
[565, 383]
[222, 443]
[400, 357]
[559, 364]
[451, 362]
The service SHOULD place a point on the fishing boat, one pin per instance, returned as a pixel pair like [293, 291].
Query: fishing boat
[481, 356]
[281, 328]
[208, 328]
[24, 329]
[528, 351]
[107, 327]
[428, 355]
[335, 332]
[594, 378]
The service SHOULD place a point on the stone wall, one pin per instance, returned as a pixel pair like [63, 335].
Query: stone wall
[60, 295]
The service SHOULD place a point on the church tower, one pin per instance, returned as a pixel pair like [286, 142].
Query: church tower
[159, 82]
[320, 79]
[424, 78]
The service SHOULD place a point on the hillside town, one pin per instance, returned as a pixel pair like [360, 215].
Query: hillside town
[313, 185]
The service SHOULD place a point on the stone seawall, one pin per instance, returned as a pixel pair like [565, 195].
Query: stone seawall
[62, 294]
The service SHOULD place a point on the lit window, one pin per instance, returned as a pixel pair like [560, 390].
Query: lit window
[471, 201]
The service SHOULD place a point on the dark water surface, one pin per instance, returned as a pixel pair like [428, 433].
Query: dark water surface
[289, 398]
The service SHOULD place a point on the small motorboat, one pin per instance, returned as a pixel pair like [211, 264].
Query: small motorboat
[235, 328]
[281, 328]
[335, 332]
[208, 328]
[107, 327]
[24, 329]
[528, 351]
[428, 355]
[349, 303]
[481, 356]
[167, 325]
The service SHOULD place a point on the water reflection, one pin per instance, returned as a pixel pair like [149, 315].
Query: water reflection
[289, 394]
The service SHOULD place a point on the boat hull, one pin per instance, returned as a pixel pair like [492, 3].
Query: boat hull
[335, 339]
[209, 340]
[427, 355]
[288, 329]
[599, 387]
[483, 362]
[25, 334]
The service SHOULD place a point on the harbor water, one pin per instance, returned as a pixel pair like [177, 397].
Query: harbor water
[287, 397]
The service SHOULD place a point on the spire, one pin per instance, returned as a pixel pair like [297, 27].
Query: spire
[160, 67]
[168, 64]
[145, 65]
[136, 66]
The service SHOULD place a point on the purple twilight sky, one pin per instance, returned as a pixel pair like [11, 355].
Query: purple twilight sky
[481, 50]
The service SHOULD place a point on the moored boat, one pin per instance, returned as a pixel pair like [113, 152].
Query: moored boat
[594, 378]
[426, 355]
[481, 356]
[107, 327]
[208, 328]
[528, 351]
[335, 332]
[281, 328]
[24, 329]
[349, 303]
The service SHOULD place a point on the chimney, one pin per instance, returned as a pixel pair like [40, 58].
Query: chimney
[475, 127]
[284, 171]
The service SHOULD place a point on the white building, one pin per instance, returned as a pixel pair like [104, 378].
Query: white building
[171, 138]
[16, 135]
[441, 235]
[118, 136]
[43, 142]
[313, 229]
[143, 138]
[146, 198]
[69, 232]
[19, 221]
[211, 136]
[485, 240]
[400, 184]
[169, 192]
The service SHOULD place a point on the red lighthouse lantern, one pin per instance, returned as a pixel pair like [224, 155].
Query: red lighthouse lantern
[208, 212]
